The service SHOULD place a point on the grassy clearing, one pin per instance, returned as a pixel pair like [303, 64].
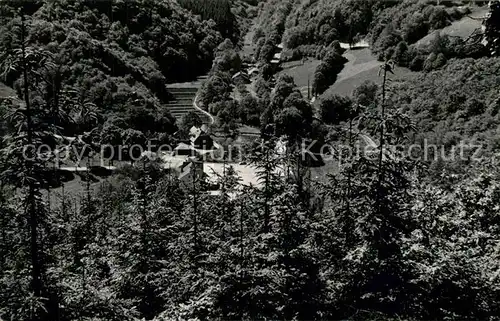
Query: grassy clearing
[362, 66]
[462, 28]
[358, 61]
[6, 91]
[359, 56]
[347, 85]
[300, 72]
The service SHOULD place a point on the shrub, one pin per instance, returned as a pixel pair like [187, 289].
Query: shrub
[334, 108]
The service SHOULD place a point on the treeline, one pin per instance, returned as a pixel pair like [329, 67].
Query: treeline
[217, 10]
[398, 31]
[326, 73]
[271, 26]
[409, 22]
[319, 23]
[310, 26]
[393, 30]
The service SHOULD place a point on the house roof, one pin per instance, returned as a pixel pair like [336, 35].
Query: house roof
[252, 70]
[240, 74]
[195, 131]
[184, 146]
[275, 61]
[186, 170]
[173, 162]
[277, 55]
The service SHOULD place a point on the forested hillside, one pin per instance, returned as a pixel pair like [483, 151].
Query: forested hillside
[391, 27]
[447, 109]
[115, 56]
[363, 206]
[455, 101]
[217, 10]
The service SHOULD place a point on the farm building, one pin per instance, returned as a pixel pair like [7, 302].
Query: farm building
[201, 140]
[278, 50]
[241, 77]
[187, 155]
[254, 71]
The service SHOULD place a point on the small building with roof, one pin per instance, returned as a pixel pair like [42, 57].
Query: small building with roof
[241, 77]
[186, 160]
[201, 140]
[254, 71]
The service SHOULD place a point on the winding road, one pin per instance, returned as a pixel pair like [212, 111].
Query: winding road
[195, 105]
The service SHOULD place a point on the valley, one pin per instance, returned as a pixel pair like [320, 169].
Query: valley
[249, 160]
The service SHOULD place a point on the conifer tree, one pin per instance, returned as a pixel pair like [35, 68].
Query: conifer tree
[269, 167]
[492, 30]
[377, 181]
[24, 166]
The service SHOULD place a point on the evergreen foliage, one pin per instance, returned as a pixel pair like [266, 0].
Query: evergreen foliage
[393, 238]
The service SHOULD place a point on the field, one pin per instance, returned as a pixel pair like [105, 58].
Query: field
[248, 45]
[359, 62]
[6, 91]
[301, 73]
[361, 66]
[347, 85]
[462, 28]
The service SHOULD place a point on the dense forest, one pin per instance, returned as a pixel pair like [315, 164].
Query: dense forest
[108, 57]
[392, 28]
[217, 10]
[374, 227]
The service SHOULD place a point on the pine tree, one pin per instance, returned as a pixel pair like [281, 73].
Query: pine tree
[492, 30]
[25, 168]
[269, 167]
[376, 215]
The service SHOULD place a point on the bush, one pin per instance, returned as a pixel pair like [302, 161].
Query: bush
[262, 87]
[366, 93]
[401, 54]
[216, 88]
[439, 62]
[439, 18]
[227, 58]
[334, 108]
[417, 63]
[250, 111]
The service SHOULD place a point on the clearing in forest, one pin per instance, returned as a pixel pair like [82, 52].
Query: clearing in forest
[361, 66]
[462, 28]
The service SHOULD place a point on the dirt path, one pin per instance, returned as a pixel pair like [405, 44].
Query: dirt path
[248, 49]
[195, 105]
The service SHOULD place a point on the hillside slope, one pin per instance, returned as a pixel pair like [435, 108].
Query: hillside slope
[461, 101]
[306, 26]
[114, 54]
